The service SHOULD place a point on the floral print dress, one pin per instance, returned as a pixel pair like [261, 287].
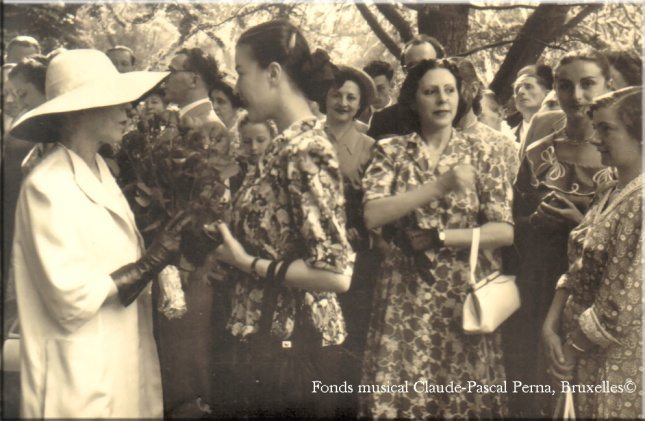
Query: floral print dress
[415, 332]
[606, 301]
[538, 256]
[293, 207]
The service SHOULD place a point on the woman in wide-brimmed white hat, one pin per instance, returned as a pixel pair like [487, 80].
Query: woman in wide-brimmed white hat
[87, 345]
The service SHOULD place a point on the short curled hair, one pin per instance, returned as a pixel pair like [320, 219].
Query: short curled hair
[585, 54]
[629, 108]
[407, 96]
[203, 64]
[282, 42]
[227, 90]
[342, 76]
[628, 63]
[422, 39]
[33, 70]
[379, 68]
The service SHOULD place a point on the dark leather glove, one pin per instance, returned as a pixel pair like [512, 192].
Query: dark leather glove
[133, 277]
[405, 238]
[422, 239]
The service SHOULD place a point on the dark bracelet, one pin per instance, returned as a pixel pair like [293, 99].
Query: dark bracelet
[282, 273]
[270, 275]
[253, 264]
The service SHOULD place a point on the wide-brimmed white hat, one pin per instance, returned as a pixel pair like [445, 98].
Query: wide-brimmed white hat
[80, 80]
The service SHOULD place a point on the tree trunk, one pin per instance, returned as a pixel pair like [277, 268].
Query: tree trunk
[543, 27]
[446, 22]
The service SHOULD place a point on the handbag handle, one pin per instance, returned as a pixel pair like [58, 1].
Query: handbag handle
[474, 252]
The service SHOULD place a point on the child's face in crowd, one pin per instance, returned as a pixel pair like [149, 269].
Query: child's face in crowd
[255, 138]
[154, 105]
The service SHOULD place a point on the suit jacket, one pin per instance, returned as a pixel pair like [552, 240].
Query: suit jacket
[200, 115]
[542, 125]
[390, 121]
[81, 355]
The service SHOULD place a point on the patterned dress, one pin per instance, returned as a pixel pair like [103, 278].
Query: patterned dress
[606, 301]
[506, 146]
[539, 254]
[293, 207]
[415, 331]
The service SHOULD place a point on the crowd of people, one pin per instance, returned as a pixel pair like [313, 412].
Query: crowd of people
[344, 254]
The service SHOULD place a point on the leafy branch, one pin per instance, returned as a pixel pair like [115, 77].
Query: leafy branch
[397, 20]
[372, 22]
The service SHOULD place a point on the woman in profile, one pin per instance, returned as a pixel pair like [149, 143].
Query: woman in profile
[593, 332]
[287, 241]
[82, 276]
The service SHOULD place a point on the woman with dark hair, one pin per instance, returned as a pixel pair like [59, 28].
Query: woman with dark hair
[27, 80]
[292, 256]
[433, 187]
[593, 331]
[226, 102]
[625, 67]
[557, 179]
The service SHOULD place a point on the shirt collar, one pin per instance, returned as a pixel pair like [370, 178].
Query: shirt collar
[186, 108]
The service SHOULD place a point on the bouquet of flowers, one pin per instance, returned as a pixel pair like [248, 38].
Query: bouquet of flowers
[175, 166]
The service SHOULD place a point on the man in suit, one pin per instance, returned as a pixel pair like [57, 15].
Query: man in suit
[192, 73]
[382, 74]
[190, 346]
[393, 120]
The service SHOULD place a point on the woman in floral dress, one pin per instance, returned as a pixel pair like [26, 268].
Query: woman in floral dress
[562, 166]
[593, 332]
[441, 181]
[292, 209]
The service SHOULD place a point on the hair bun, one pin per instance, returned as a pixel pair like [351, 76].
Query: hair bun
[319, 73]
[320, 68]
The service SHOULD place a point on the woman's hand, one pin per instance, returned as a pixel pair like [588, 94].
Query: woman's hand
[562, 360]
[231, 251]
[461, 177]
[565, 210]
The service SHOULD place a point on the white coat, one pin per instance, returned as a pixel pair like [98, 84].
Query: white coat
[82, 356]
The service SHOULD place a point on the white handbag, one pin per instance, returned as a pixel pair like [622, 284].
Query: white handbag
[491, 300]
[564, 408]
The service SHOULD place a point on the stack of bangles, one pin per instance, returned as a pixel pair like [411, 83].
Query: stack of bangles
[276, 272]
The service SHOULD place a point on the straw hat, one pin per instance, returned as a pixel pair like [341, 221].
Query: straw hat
[367, 83]
[80, 80]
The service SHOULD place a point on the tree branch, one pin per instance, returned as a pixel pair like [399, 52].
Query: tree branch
[486, 47]
[581, 16]
[413, 6]
[397, 20]
[371, 20]
[510, 6]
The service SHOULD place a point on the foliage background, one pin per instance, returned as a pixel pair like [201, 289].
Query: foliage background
[155, 30]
